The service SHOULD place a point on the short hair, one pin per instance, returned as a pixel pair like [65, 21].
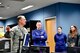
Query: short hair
[19, 17]
[38, 21]
[59, 27]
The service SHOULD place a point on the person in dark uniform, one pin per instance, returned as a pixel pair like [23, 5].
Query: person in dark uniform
[39, 35]
[60, 41]
[7, 34]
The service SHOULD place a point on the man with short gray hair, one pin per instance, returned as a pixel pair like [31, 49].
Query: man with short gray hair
[18, 32]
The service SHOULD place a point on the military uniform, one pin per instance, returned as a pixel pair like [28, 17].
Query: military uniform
[17, 32]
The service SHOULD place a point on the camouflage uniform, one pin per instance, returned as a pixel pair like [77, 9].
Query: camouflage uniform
[15, 34]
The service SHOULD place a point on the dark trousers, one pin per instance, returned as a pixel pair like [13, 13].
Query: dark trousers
[73, 50]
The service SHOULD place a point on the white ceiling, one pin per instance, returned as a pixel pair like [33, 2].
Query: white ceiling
[10, 8]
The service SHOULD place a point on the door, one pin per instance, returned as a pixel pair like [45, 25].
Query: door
[51, 31]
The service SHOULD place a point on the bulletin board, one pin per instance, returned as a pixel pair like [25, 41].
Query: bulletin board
[1, 28]
[1, 31]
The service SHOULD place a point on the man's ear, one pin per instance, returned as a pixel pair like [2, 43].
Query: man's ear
[20, 20]
[36, 25]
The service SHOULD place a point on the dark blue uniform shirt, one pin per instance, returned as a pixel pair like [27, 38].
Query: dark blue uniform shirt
[36, 36]
[60, 40]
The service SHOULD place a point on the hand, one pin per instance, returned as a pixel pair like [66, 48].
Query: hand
[73, 44]
[42, 36]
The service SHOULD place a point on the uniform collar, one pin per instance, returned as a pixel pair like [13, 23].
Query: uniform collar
[19, 26]
[39, 29]
[59, 34]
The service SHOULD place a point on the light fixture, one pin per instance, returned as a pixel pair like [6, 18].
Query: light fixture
[1, 17]
[30, 6]
[0, 3]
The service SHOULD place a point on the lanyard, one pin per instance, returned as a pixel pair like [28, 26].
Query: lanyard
[21, 31]
[24, 36]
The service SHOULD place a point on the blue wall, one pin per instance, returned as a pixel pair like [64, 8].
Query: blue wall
[42, 13]
[2, 23]
[39, 14]
[66, 15]
[69, 15]
[35, 15]
[11, 21]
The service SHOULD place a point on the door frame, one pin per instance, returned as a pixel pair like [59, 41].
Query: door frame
[49, 18]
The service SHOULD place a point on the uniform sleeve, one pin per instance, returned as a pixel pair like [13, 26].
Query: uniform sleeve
[45, 36]
[12, 32]
[65, 38]
[25, 31]
[35, 36]
[5, 34]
